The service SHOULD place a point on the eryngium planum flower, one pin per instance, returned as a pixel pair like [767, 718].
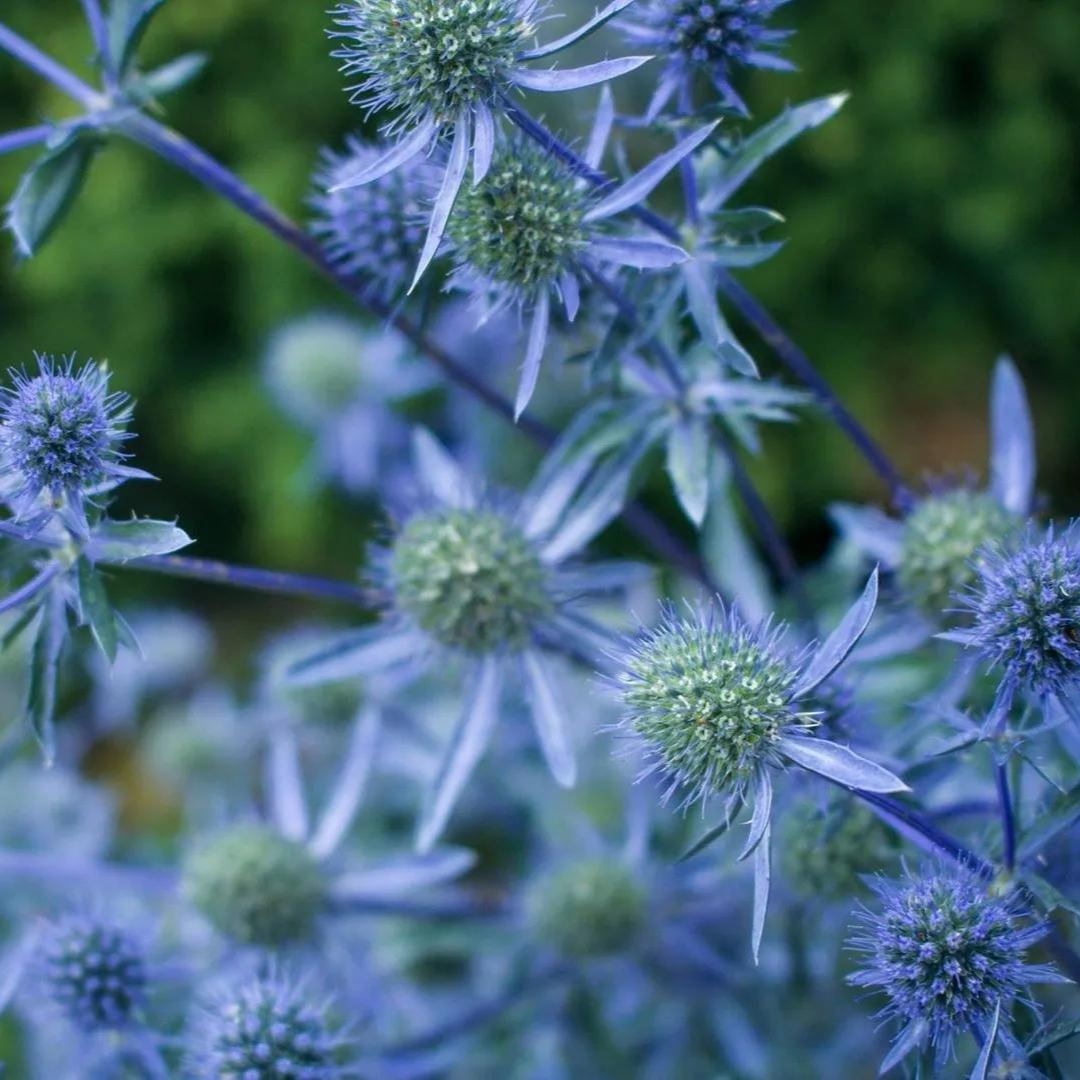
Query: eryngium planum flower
[270, 1027]
[374, 231]
[712, 38]
[60, 436]
[1025, 616]
[442, 67]
[946, 951]
[255, 886]
[94, 971]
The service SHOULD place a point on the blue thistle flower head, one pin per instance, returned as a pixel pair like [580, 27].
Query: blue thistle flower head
[945, 949]
[60, 435]
[374, 231]
[1025, 609]
[713, 38]
[256, 886]
[271, 1026]
[95, 971]
[709, 698]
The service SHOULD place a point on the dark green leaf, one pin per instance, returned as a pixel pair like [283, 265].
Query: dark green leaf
[1054, 1035]
[1047, 895]
[97, 612]
[128, 20]
[18, 626]
[46, 192]
[41, 687]
[167, 78]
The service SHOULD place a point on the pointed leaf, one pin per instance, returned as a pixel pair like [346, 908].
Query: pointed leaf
[414, 143]
[737, 168]
[405, 874]
[982, 1065]
[454, 176]
[838, 763]
[601, 129]
[349, 789]
[1012, 440]
[841, 641]
[688, 466]
[97, 612]
[284, 784]
[549, 717]
[907, 1041]
[47, 191]
[556, 79]
[642, 183]
[710, 321]
[759, 823]
[1062, 813]
[636, 252]
[439, 472]
[354, 654]
[128, 20]
[598, 20]
[534, 353]
[24, 594]
[41, 687]
[762, 879]
[119, 541]
[464, 751]
[483, 142]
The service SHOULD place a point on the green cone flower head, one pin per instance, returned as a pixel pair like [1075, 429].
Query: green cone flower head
[470, 578]
[255, 886]
[710, 697]
[941, 538]
[588, 909]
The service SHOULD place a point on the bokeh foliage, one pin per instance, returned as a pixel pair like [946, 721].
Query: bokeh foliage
[933, 224]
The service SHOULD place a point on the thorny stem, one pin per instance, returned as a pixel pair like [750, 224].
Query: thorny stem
[793, 358]
[190, 158]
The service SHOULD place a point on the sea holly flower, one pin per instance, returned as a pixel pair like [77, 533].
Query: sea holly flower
[494, 586]
[707, 38]
[82, 982]
[340, 380]
[934, 551]
[446, 69]
[531, 230]
[715, 704]
[1024, 611]
[61, 433]
[271, 1025]
[948, 953]
[374, 231]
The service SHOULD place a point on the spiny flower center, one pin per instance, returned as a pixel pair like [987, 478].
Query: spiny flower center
[470, 578]
[95, 972]
[718, 32]
[255, 886]
[521, 226]
[711, 701]
[941, 538]
[589, 909]
[432, 56]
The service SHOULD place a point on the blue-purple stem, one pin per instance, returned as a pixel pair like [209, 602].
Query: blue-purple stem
[19, 140]
[249, 577]
[755, 314]
[1008, 816]
[191, 159]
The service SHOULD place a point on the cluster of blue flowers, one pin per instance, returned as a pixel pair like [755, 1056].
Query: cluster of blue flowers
[366, 870]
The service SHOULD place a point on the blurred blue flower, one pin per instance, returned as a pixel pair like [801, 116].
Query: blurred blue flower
[475, 578]
[712, 38]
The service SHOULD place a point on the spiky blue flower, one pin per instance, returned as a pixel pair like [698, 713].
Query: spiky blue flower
[271, 1027]
[94, 971]
[492, 583]
[1025, 610]
[531, 231]
[373, 231]
[60, 437]
[946, 950]
[710, 38]
[447, 68]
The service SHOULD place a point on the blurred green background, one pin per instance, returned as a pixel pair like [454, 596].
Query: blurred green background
[935, 223]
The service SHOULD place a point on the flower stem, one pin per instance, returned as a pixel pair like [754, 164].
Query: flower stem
[1008, 818]
[248, 577]
[18, 140]
[789, 354]
[49, 69]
